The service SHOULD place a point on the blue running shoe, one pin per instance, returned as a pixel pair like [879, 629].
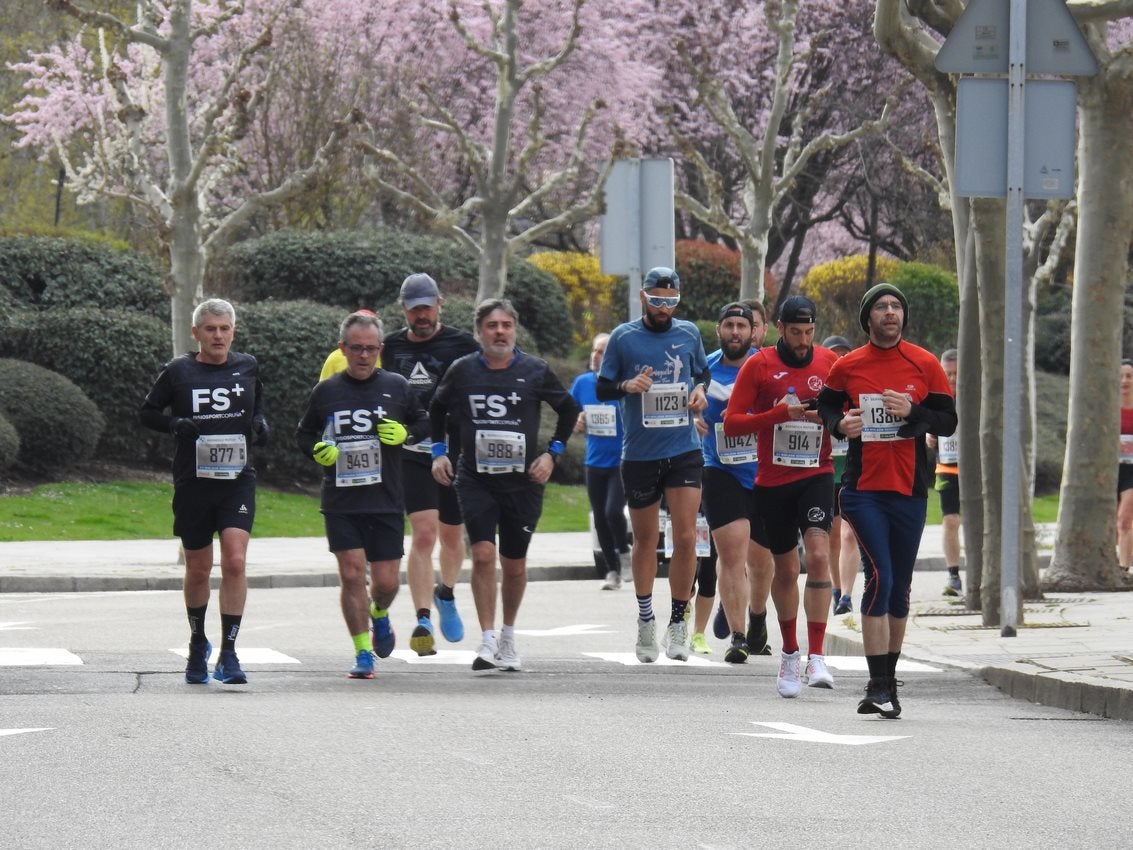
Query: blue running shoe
[197, 670]
[228, 670]
[720, 626]
[452, 627]
[384, 638]
[363, 665]
[421, 641]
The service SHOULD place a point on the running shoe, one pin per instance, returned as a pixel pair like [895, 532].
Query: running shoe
[363, 665]
[676, 641]
[953, 587]
[698, 644]
[421, 641]
[737, 653]
[197, 669]
[893, 683]
[228, 670]
[451, 625]
[757, 637]
[787, 682]
[646, 641]
[613, 581]
[845, 605]
[720, 624]
[384, 638]
[485, 656]
[506, 656]
[878, 699]
[817, 676]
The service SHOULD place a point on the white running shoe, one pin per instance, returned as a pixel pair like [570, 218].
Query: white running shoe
[646, 641]
[817, 676]
[485, 656]
[787, 682]
[506, 656]
[676, 641]
[613, 581]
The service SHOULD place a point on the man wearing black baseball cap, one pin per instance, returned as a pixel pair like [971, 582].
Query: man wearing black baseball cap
[885, 397]
[794, 485]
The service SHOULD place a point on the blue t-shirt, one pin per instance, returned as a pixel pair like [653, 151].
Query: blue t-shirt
[601, 452]
[723, 379]
[677, 357]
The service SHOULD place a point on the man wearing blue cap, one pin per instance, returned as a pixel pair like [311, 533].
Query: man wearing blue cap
[657, 367]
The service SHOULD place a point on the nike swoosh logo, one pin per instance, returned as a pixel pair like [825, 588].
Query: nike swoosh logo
[528, 530]
[675, 345]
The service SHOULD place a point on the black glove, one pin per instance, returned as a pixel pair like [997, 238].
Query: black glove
[912, 429]
[260, 430]
[184, 428]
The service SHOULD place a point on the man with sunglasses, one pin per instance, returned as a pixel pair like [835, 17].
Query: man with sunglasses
[657, 367]
[355, 422]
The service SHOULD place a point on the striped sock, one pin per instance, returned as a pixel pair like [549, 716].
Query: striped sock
[645, 607]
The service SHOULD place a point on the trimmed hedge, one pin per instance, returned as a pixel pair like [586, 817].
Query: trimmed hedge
[113, 357]
[9, 443]
[934, 305]
[57, 424]
[54, 272]
[351, 269]
[710, 278]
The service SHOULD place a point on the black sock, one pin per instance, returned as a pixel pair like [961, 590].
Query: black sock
[229, 628]
[756, 622]
[423, 612]
[891, 663]
[444, 591]
[679, 606]
[878, 666]
[197, 624]
[954, 571]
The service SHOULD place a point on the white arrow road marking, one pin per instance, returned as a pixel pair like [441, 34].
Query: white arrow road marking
[247, 654]
[22, 731]
[32, 657]
[629, 659]
[14, 627]
[562, 631]
[856, 663]
[791, 732]
[444, 657]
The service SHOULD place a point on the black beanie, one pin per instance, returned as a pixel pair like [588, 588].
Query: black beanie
[876, 292]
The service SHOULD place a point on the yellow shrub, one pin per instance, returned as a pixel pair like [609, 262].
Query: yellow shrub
[589, 293]
[837, 288]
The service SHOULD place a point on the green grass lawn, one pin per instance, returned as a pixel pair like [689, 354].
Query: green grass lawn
[134, 510]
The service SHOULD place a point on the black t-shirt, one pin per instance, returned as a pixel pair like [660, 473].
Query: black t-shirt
[478, 399]
[220, 399]
[343, 410]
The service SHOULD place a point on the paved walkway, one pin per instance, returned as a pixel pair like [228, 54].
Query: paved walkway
[1073, 650]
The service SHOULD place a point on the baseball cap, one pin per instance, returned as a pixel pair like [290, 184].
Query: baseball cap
[419, 289]
[798, 310]
[661, 277]
[836, 342]
[736, 309]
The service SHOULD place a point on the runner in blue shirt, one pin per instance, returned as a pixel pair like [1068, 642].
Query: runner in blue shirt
[657, 367]
[602, 422]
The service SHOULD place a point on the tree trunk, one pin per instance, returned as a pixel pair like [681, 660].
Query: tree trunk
[1084, 556]
[753, 253]
[493, 256]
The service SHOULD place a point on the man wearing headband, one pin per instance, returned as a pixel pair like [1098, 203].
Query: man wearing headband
[885, 397]
[657, 367]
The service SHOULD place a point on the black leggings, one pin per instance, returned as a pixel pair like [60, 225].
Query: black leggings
[607, 501]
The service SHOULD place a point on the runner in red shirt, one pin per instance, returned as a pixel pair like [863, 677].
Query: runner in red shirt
[775, 398]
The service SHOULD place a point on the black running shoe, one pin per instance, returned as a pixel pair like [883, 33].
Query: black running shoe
[757, 637]
[737, 653]
[893, 684]
[878, 699]
[720, 624]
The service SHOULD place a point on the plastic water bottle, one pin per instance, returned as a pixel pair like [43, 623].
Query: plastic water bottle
[328, 430]
[790, 397]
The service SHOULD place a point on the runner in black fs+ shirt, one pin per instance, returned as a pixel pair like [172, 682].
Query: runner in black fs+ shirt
[215, 405]
[354, 425]
[494, 398]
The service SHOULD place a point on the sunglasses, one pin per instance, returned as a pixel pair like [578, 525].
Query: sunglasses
[669, 301]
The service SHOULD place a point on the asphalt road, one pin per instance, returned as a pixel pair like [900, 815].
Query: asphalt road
[584, 748]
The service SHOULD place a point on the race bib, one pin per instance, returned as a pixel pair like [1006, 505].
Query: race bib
[703, 545]
[500, 451]
[359, 463]
[424, 447]
[221, 456]
[948, 450]
[839, 448]
[796, 444]
[1127, 448]
[735, 450]
[664, 406]
[601, 420]
[877, 423]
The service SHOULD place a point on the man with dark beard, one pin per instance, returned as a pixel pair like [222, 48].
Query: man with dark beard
[657, 367]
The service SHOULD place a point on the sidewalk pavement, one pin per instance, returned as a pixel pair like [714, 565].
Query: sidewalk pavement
[1073, 650]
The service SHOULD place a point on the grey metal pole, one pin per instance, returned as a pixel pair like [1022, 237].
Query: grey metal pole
[1013, 322]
